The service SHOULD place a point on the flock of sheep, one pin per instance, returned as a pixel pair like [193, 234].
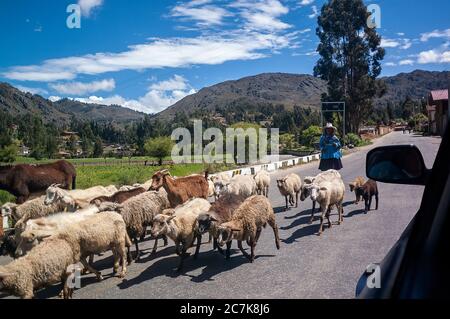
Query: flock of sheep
[68, 227]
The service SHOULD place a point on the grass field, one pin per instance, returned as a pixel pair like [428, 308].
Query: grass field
[88, 176]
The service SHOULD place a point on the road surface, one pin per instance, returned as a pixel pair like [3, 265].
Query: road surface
[306, 266]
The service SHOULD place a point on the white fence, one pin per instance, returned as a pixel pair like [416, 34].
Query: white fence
[272, 167]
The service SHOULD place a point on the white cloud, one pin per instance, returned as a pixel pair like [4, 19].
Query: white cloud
[390, 64]
[200, 11]
[435, 34]
[262, 15]
[80, 88]
[159, 53]
[306, 2]
[406, 62]
[304, 31]
[402, 43]
[87, 6]
[434, 56]
[159, 96]
[31, 90]
[54, 98]
[400, 34]
[315, 12]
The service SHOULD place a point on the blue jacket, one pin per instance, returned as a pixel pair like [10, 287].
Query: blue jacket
[330, 147]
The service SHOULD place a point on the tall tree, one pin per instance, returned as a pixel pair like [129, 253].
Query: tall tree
[350, 55]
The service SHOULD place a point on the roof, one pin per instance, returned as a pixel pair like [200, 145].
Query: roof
[439, 95]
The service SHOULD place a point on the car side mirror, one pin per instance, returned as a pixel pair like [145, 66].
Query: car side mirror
[397, 164]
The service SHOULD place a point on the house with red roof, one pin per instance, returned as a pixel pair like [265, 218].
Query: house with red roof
[437, 108]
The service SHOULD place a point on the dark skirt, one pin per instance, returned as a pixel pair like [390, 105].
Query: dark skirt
[330, 163]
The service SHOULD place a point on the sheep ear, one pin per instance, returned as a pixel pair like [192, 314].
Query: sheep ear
[323, 188]
[3, 275]
[213, 218]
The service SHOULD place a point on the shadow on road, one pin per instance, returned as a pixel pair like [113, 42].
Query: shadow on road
[354, 213]
[213, 262]
[301, 232]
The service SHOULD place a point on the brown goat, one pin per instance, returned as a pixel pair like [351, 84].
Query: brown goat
[357, 182]
[367, 191]
[119, 197]
[22, 180]
[182, 189]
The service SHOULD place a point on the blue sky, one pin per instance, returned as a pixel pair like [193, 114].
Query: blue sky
[146, 55]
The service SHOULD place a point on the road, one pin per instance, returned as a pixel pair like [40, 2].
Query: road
[306, 266]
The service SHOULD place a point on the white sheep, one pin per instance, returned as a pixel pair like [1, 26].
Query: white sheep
[25, 234]
[31, 209]
[77, 197]
[180, 225]
[243, 185]
[49, 262]
[247, 222]
[326, 194]
[45, 265]
[262, 180]
[329, 175]
[290, 186]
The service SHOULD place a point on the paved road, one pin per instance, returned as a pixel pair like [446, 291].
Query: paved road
[306, 266]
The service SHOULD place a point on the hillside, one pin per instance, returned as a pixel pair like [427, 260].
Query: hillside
[266, 88]
[16, 102]
[296, 89]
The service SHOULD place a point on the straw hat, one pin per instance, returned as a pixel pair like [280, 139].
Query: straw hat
[329, 125]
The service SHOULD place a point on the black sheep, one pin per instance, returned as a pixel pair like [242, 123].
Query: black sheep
[367, 191]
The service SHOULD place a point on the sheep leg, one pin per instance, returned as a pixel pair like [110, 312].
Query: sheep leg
[155, 247]
[274, 226]
[242, 250]
[91, 269]
[328, 217]
[376, 201]
[197, 249]
[138, 253]
[91, 259]
[258, 233]
[312, 213]
[296, 199]
[286, 198]
[183, 255]
[228, 253]
[143, 233]
[165, 240]
[122, 253]
[370, 201]
[340, 209]
[219, 249]
[252, 249]
[209, 238]
[323, 211]
[116, 259]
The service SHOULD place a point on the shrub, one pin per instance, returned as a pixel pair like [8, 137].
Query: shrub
[352, 138]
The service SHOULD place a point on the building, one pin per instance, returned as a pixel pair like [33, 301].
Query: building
[437, 108]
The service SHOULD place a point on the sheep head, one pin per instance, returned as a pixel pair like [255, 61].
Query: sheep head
[220, 187]
[227, 231]
[8, 209]
[352, 187]
[160, 225]
[306, 192]
[204, 221]
[52, 194]
[316, 190]
[281, 183]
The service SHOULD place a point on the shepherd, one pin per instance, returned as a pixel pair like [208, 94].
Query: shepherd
[330, 147]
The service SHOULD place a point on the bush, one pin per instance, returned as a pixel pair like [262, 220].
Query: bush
[352, 138]
[311, 136]
[8, 153]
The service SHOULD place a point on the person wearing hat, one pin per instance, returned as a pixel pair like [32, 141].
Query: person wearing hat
[330, 147]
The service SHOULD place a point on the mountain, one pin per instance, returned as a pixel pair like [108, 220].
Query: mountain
[16, 102]
[416, 85]
[267, 88]
[298, 89]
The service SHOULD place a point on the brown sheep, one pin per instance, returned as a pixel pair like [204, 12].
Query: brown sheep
[357, 182]
[119, 197]
[247, 222]
[182, 189]
[367, 191]
[220, 212]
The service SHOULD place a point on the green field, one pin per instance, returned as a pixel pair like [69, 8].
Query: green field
[88, 176]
